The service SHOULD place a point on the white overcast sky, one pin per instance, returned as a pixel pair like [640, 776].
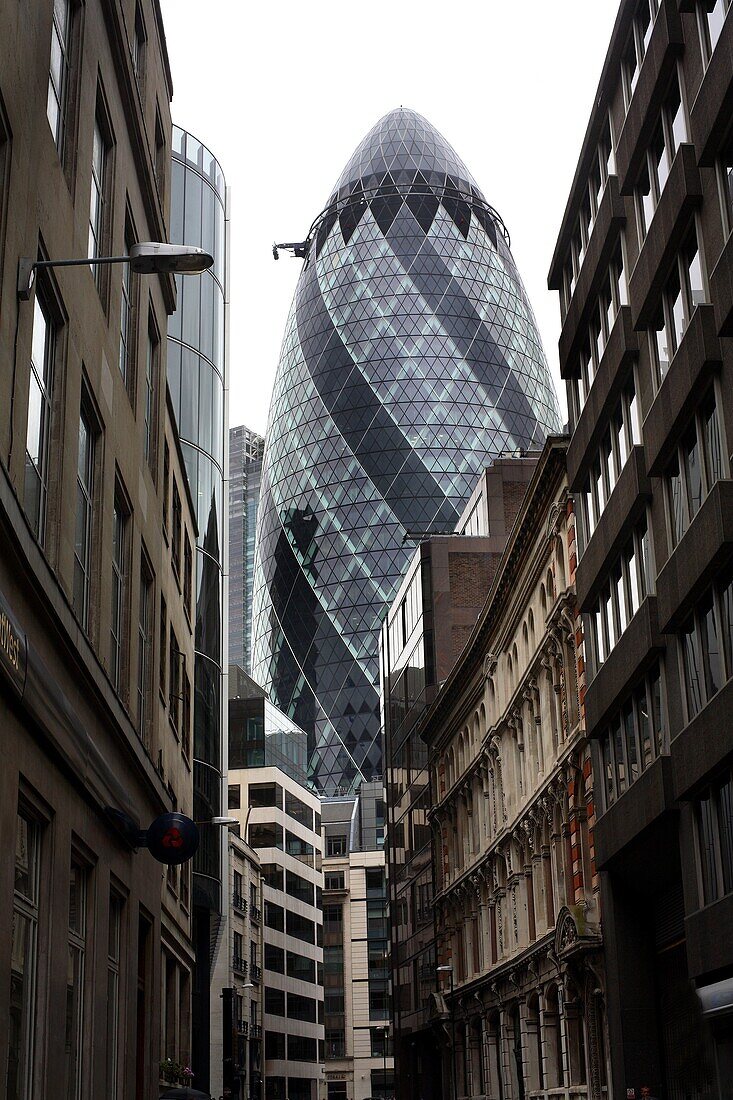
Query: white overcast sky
[282, 92]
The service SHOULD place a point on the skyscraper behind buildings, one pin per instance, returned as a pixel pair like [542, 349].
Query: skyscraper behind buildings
[410, 359]
[196, 376]
[245, 473]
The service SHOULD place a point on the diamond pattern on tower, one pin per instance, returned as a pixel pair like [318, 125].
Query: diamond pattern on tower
[410, 360]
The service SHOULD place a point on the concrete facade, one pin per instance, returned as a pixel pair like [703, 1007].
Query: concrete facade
[645, 348]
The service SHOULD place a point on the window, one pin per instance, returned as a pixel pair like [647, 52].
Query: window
[127, 333]
[621, 595]
[274, 916]
[274, 959]
[137, 47]
[381, 1042]
[266, 835]
[163, 642]
[634, 738]
[641, 32]
[333, 880]
[166, 485]
[39, 418]
[238, 960]
[185, 714]
[274, 1044]
[275, 1001]
[114, 947]
[695, 467]
[336, 845]
[706, 647]
[714, 819]
[24, 953]
[301, 1048]
[298, 810]
[84, 516]
[375, 887]
[174, 681]
[301, 1008]
[623, 433]
[144, 647]
[298, 966]
[298, 887]
[120, 517]
[74, 1045]
[670, 132]
[235, 796]
[725, 183]
[187, 574]
[98, 196]
[265, 794]
[59, 71]
[711, 17]
[683, 291]
[273, 875]
[149, 412]
[301, 849]
[301, 927]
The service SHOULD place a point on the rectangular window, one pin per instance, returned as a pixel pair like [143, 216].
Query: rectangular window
[138, 39]
[59, 71]
[84, 517]
[176, 532]
[265, 834]
[114, 947]
[174, 681]
[187, 574]
[274, 958]
[74, 1045]
[333, 880]
[725, 183]
[274, 916]
[127, 330]
[714, 820]
[711, 17]
[24, 955]
[144, 648]
[39, 418]
[163, 642]
[166, 485]
[118, 629]
[152, 351]
[265, 794]
[98, 196]
[698, 463]
[235, 796]
[185, 714]
[300, 967]
[298, 810]
[275, 1001]
[336, 845]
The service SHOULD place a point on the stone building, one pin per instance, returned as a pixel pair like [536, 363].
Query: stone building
[96, 581]
[519, 970]
[643, 267]
[246, 961]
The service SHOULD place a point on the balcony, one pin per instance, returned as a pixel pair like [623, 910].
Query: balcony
[255, 1031]
[255, 972]
[239, 965]
[242, 1027]
[255, 914]
[239, 903]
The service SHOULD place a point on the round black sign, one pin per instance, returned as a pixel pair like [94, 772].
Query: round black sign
[172, 838]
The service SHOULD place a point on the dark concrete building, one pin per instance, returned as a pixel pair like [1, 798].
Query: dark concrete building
[97, 527]
[644, 269]
[423, 633]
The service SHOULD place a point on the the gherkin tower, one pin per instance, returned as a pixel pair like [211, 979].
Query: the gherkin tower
[411, 359]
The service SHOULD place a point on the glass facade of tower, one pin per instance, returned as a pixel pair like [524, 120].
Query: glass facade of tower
[410, 359]
[245, 473]
[196, 377]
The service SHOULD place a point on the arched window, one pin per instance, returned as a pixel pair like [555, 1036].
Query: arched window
[543, 599]
[553, 1039]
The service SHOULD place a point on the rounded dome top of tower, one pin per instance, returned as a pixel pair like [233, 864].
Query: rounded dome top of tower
[403, 143]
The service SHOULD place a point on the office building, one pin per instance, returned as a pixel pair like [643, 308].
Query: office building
[410, 359]
[280, 818]
[197, 379]
[356, 971]
[520, 1004]
[428, 624]
[96, 582]
[643, 268]
[242, 1042]
[245, 473]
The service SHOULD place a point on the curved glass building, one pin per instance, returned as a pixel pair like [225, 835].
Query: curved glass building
[196, 379]
[411, 358]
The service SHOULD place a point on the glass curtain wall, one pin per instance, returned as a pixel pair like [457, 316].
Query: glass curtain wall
[196, 378]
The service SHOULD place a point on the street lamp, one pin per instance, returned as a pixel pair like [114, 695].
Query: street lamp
[449, 970]
[146, 258]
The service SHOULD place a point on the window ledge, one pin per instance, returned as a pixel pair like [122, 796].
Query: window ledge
[721, 286]
[700, 748]
[711, 112]
[634, 811]
[634, 652]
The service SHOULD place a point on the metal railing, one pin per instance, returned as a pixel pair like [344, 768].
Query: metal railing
[239, 902]
[255, 972]
[239, 965]
[255, 914]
